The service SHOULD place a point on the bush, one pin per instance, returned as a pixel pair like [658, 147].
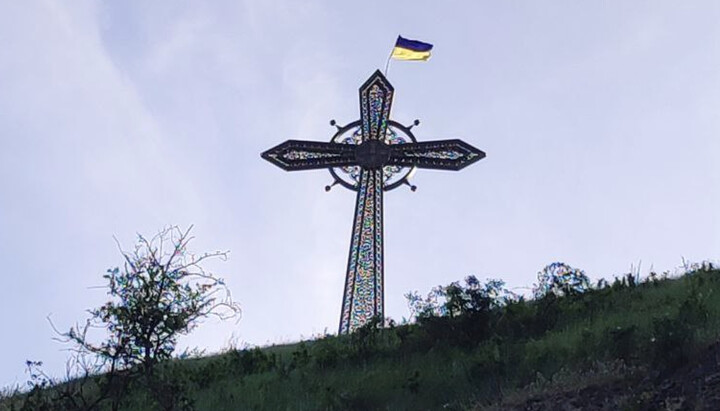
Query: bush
[621, 343]
[160, 294]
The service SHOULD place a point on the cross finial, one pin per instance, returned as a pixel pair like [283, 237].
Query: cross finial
[376, 97]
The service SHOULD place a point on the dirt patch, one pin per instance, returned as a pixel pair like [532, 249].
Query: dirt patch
[694, 386]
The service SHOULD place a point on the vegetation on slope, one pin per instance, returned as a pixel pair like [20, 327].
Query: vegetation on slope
[472, 346]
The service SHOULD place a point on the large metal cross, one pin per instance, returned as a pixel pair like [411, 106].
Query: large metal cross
[370, 155]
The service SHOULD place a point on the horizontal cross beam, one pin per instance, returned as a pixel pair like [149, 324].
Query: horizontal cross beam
[295, 155]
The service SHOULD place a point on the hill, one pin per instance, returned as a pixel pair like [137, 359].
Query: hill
[626, 345]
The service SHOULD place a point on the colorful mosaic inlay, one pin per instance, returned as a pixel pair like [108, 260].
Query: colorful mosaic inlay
[444, 154]
[307, 155]
[363, 288]
[375, 102]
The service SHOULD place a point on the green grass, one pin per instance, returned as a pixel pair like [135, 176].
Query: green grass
[452, 363]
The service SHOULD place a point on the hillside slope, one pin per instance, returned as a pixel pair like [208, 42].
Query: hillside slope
[649, 345]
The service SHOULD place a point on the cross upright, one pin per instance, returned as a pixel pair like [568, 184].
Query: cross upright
[370, 155]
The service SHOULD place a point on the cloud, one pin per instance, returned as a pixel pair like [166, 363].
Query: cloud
[82, 159]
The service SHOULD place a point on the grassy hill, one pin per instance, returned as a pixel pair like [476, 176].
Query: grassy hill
[625, 345]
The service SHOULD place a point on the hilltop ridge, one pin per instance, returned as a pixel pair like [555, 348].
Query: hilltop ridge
[650, 344]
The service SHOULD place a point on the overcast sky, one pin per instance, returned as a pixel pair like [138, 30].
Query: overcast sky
[600, 121]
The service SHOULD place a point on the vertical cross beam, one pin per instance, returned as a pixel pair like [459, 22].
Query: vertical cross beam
[363, 296]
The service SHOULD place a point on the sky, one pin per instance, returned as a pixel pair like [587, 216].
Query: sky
[599, 120]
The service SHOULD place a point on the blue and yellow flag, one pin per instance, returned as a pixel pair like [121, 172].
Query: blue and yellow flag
[406, 49]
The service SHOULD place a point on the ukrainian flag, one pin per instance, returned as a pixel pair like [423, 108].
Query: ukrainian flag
[406, 49]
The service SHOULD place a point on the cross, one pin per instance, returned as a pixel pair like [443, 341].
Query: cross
[370, 156]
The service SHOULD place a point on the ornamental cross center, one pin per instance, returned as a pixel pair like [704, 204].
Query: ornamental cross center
[370, 156]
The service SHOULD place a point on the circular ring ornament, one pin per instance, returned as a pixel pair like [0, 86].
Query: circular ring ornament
[393, 176]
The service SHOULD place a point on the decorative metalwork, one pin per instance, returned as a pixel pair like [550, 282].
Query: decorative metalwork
[370, 156]
[393, 175]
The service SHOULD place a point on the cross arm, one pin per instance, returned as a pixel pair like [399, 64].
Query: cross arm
[440, 154]
[309, 155]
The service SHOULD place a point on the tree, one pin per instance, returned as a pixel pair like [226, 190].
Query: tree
[454, 299]
[160, 293]
[561, 279]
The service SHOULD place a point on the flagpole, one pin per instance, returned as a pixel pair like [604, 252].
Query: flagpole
[387, 64]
